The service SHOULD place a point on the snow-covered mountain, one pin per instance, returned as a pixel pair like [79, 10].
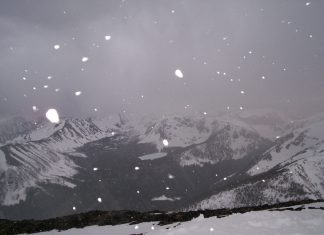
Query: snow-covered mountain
[292, 169]
[209, 161]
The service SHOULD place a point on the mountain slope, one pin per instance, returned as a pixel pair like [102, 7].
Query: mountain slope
[293, 169]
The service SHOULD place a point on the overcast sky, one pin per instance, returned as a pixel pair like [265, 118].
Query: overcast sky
[271, 51]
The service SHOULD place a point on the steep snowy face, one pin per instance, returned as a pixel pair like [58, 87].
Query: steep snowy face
[230, 142]
[291, 170]
[178, 131]
[42, 157]
[303, 143]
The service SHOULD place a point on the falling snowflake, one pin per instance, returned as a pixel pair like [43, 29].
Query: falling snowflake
[138, 192]
[77, 93]
[263, 77]
[307, 3]
[95, 169]
[178, 73]
[136, 168]
[211, 229]
[74, 208]
[53, 116]
[56, 47]
[95, 109]
[152, 227]
[170, 176]
[57, 89]
[99, 199]
[84, 59]
[165, 142]
[167, 188]
[45, 86]
[225, 178]
[49, 77]
[24, 78]
[242, 92]
[241, 108]
[35, 108]
[136, 227]
[205, 113]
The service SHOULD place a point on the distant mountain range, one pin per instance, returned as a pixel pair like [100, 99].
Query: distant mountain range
[167, 163]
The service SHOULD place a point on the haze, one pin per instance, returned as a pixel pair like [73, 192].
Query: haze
[122, 56]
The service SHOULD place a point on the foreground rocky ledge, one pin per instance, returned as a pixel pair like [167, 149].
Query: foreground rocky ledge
[101, 218]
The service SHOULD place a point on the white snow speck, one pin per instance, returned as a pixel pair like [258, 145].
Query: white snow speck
[307, 3]
[136, 168]
[136, 227]
[84, 59]
[152, 227]
[167, 188]
[178, 73]
[95, 169]
[211, 229]
[77, 93]
[225, 178]
[205, 113]
[242, 92]
[263, 77]
[52, 116]
[138, 192]
[56, 47]
[99, 199]
[170, 176]
[95, 109]
[74, 208]
[49, 77]
[45, 86]
[35, 108]
[241, 108]
[172, 11]
[57, 89]
[24, 78]
[107, 37]
[165, 142]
